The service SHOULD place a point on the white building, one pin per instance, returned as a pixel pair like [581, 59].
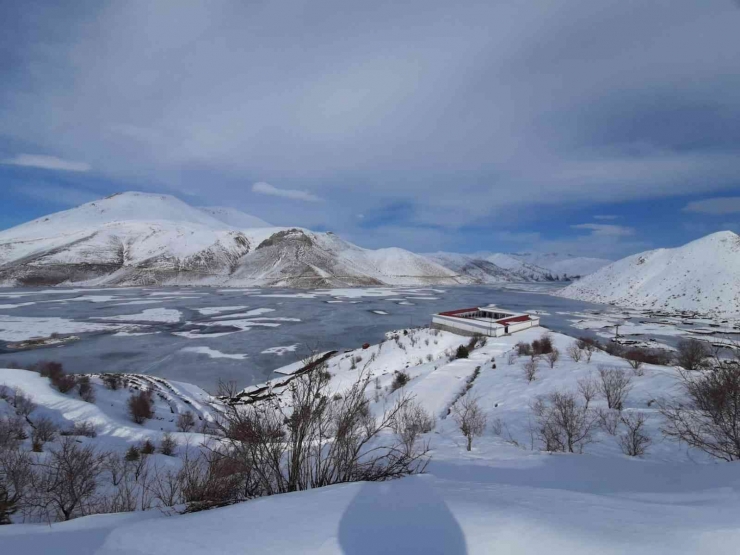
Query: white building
[491, 321]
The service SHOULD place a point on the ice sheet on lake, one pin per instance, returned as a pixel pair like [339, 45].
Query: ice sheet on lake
[213, 353]
[160, 315]
[281, 350]
[255, 312]
[211, 310]
[21, 328]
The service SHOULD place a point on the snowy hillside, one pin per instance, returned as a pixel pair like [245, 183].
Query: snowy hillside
[139, 238]
[702, 276]
[506, 495]
[563, 264]
[526, 271]
[478, 269]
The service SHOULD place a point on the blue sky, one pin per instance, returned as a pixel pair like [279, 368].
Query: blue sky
[594, 127]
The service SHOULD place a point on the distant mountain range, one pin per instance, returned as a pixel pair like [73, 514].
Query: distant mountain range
[147, 239]
[702, 276]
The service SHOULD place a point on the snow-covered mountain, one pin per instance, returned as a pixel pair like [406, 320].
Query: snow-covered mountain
[563, 264]
[234, 217]
[140, 238]
[525, 270]
[476, 268]
[701, 276]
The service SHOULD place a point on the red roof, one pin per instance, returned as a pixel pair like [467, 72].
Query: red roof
[514, 319]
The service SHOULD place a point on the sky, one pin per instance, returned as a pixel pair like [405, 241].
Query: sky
[594, 127]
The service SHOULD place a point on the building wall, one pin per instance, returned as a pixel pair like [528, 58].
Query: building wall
[462, 326]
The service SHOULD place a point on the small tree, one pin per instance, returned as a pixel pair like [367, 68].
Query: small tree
[575, 352]
[614, 385]
[634, 441]
[23, 404]
[185, 421]
[400, 379]
[470, 418]
[692, 354]
[168, 445]
[523, 349]
[15, 479]
[147, 448]
[85, 389]
[140, 406]
[530, 369]
[710, 420]
[462, 352]
[563, 424]
[552, 357]
[43, 431]
[588, 389]
[588, 351]
[112, 381]
[635, 358]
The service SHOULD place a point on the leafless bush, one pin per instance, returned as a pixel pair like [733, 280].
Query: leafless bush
[66, 481]
[85, 389]
[552, 357]
[5, 392]
[168, 445]
[710, 419]
[314, 440]
[608, 420]
[43, 431]
[23, 404]
[56, 374]
[634, 441]
[214, 478]
[523, 349]
[12, 431]
[530, 369]
[140, 406]
[147, 448]
[113, 382]
[635, 358]
[84, 429]
[692, 354]
[543, 345]
[412, 421]
[227, 389]
[15, 480]
[614, 385]
[563, 424]
[132, 454]
[470, 418]
[588, 350]
[575, 352]
[400, 379]
[185, 421]
[588, 389]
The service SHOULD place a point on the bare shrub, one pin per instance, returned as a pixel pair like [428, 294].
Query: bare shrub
[563, 424]
[56, 374]
[15, 480]
[82, 429]
[692, 354]
[552, 357]
[65, 482]
[608, 420]
[583, 341]
[23, 404]
[462, 352]
[412, 421]
[543, 345]
[530, 369]
[185, 421]
[132, 454]
[5, 392]
[310, 439]
[43, 431]
[140, 406]
[147, 448]
[575, 352]
[634, 441]
[710, 419]
[12, 431]
[523, 349]
[614, 349]
[113, 382]
[588, 389]
[214, 478]
[400, 379]
[588, 351]
[614, 385]
[168, 445]
[227, 389]
[85, 389]
[470, 418]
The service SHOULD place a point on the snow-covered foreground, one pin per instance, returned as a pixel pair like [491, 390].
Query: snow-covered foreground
[498, 498]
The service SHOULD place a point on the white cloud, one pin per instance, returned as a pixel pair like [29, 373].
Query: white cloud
[606, 230]
[47, 163]
[605, 217]
[716, 206]
[267, 189]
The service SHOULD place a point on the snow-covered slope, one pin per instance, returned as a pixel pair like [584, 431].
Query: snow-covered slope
[504, 496]
[476, 268]
[524, 270]
[140, 238]
[234, 217]
[701, 276]
[563, 264]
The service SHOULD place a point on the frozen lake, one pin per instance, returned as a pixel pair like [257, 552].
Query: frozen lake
[199, 335]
